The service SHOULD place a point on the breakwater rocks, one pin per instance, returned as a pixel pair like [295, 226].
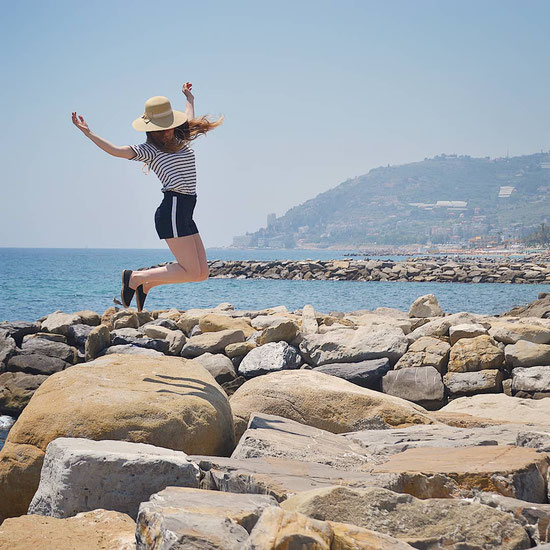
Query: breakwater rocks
[412, 269]
[261, 429]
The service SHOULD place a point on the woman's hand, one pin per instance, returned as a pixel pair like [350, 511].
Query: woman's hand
[80, 123]
[186, 89]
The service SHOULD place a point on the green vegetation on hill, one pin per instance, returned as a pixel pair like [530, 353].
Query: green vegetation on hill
[406, 204]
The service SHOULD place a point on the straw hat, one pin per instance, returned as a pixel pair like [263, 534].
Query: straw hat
[158, 115]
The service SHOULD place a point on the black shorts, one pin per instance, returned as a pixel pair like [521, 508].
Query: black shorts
[174, 216]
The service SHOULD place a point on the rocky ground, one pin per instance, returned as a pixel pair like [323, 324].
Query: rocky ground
[271, 429]
[428, 269]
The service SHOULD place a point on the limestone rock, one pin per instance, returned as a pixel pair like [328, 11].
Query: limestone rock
[435, 473]
[212, 322]
[163, 401]
[88, 317]
[192, 518]
[33, 363]
[125, 319]
[426, 352]
[531, 379]
[425, 306]
[158, 344]
[513, 332]
[218, 365]
[271, 357]
[80, 475]
[98, 339]
[212, 342]
[367, 374]
[502, 408]
[16, 390]
[261, 322]
[421, 385]
[130, 349]
[440, 327]
[282, 331]
[274, 436]
[52, 336]
[60, 322]
[466, 330]
[470, 383]
[527, 354]
[97, 530]
[349, 345]
[474, 354]
[309, 321]
[239, 349]
[322, 401]
[431, 523]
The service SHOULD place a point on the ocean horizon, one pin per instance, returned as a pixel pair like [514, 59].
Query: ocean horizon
[39, 281]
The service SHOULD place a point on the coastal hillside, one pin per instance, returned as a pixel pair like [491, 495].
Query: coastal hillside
[447, 198]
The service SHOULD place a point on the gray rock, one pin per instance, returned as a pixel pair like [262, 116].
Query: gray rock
[80, 475]
[18, 329]
[128, 332]
[309, 321]
[470, 383]
[149, 343]
[7, 348]
[34, 363]
[531, 379]
[52, 336]
[16, 390]
[218, 365]
[422, 385]
[527, 354]
[425, 306]
[426, 524]
[60, 322]
[367, 374]
[98, 340]
[212, 342]
[274, 436]
[440, 327]
[270, 357]
[78, 334]
[198, 519]
[166, 323]
[42, 346]
[350, 346]
[130, 349]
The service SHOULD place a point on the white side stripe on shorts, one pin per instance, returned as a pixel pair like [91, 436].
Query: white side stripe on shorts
[174, 206]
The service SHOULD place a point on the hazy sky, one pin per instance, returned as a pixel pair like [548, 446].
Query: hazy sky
[314, 92]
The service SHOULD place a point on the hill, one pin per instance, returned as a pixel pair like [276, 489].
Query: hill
[447, 198]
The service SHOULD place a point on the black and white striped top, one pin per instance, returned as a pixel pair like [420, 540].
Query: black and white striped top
[176, 171]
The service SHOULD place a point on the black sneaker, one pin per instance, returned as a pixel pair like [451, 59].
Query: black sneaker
[126, 293]
[140, 297]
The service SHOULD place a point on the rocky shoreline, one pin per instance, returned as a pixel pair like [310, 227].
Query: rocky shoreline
[223, 428]
[424, 269]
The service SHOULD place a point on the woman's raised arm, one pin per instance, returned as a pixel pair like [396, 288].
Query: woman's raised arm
[125, 151]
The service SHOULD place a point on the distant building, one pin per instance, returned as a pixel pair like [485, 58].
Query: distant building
[506, 192]
[452, 204]
[242, 241]
[271, 219]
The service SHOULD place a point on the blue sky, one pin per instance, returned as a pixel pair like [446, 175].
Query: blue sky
[313, 93]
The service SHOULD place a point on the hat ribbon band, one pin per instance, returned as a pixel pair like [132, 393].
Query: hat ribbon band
[148, 118]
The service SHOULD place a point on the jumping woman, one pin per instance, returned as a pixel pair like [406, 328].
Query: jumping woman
[167, 152]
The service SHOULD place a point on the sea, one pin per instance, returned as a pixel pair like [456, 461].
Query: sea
[37, 281]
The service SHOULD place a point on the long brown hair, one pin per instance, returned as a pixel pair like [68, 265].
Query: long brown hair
[186, 132]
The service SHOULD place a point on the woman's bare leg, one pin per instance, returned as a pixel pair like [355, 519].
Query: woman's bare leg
[201, 255]
[190, 266]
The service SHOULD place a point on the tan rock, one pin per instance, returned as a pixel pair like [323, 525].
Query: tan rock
[213, 322]
[426, 352]
[527, 354]
[430, 523]
[425, 306]
[16, 390]
[427, 472]
[474, 354]
[125, 319]
[466, 330]
[239, 348]
[97, 530]
[187, 320]
[283, 331]
[107, 317]
[212, 342]
[309, 321]
[163, 401]
[322, 401]
[512, 332]
[88, 317]
[98, 339]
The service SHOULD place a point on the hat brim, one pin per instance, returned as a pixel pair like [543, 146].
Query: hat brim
[177, 118]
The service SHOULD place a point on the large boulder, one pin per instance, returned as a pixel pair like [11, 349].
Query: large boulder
[513, 332]
[270, 357]
[211, 342]
[43, 346]
[218, 365]
[422, 385]
[367, 374]
[98, 340]
[322, 401]
[212, 322]
[431, 523]
[60, 322]
[425, 306]
[470, 383]
[502, 408]
[81, 475]
[474, 354]
[18, 329]
[34, 363]
[97, 530]
[527, 354]
[164, 401]
[531, 379]
[16, 390]
[349, 345]
[426, 352]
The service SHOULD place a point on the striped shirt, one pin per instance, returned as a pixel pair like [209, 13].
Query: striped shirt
[176, 171]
